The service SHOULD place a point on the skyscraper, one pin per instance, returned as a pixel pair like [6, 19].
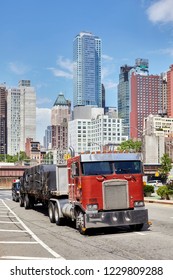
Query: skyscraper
[3, 119]
[124, 98]
[60, 115]
[170, 91]
[139, 94]
[21, 116]
[47, 140]
[146, 99]
[87, 88]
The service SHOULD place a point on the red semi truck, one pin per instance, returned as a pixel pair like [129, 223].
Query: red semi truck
[94, 190]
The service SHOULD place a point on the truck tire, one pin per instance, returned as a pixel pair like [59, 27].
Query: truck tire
[26, 202]
[16, 199]
[58, 220]
[80, 223]
[21, 201]
[51, 212]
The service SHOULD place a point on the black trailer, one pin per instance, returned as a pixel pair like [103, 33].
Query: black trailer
[37, 185]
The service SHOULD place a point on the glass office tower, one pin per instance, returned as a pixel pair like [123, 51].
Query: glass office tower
[87, 88]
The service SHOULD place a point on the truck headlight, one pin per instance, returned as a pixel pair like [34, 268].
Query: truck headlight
[139, 203]
[92, 208]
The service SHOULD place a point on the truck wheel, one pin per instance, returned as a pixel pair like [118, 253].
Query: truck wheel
[21, 201]
[26, 202]
[80, 223]
[51, 212]
[16, 199]
[58, 220]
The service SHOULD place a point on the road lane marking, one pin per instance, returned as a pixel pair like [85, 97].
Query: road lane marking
[5, 216]
[18, 242]
[24, 258]
[35, 237]
[13, 230]
[4, 222]
[140, 233]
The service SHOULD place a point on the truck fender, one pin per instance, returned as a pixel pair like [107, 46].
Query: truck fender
[60, 203]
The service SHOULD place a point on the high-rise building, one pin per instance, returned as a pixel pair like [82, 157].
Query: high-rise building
[87, 87]
[146, 99]
[47, 140]
[21, 116]
[170, 91]
[103, 98]
[139, 94]
[60, 115]
[124, 98]
[94, 131]
[3, 119]
[164, 94]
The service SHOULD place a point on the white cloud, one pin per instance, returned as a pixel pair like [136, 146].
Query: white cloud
[61, 73]
[108, 72]
[110, 85]
[65, 68]
[43, 119]
[167, 51]
[18, 68]
[65, 63]
[161, 11]
[107, 57]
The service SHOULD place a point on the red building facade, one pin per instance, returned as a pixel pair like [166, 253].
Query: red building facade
[170, 92]
[146, 99]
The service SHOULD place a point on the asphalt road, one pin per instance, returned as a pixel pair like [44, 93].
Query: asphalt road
[29, 234]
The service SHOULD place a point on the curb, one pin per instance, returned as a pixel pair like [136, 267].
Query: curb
[151, 200]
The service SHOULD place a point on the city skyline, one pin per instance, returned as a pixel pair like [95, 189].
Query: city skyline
[37, 43]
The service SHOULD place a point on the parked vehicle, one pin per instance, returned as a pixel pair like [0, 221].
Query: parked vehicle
[16, 190]
[157, 183]
[93, 190]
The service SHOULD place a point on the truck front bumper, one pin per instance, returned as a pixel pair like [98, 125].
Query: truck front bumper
[116, 218]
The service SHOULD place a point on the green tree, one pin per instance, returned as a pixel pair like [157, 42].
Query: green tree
[165, 166]
[48, 158]
[9, 158]
[131, 145]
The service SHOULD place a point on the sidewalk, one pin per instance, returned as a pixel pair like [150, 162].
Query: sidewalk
[157, 199]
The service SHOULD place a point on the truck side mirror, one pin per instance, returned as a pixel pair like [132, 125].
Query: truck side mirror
[74, 169]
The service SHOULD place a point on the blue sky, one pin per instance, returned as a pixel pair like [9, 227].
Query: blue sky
[36, 43]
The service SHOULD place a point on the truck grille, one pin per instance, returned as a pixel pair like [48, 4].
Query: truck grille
[115, 194]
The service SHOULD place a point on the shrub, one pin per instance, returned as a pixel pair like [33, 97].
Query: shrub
[148, 189]
[162, 192]
[170, 188]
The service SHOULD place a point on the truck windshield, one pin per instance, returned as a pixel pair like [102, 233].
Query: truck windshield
[127, 167]
[97, 168]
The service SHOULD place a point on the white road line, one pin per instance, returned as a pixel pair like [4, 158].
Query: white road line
[24, 258]
[13, 230]
[4, 222]
[140, 233]
[18, 242]
[53, 253]
[5, 216]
